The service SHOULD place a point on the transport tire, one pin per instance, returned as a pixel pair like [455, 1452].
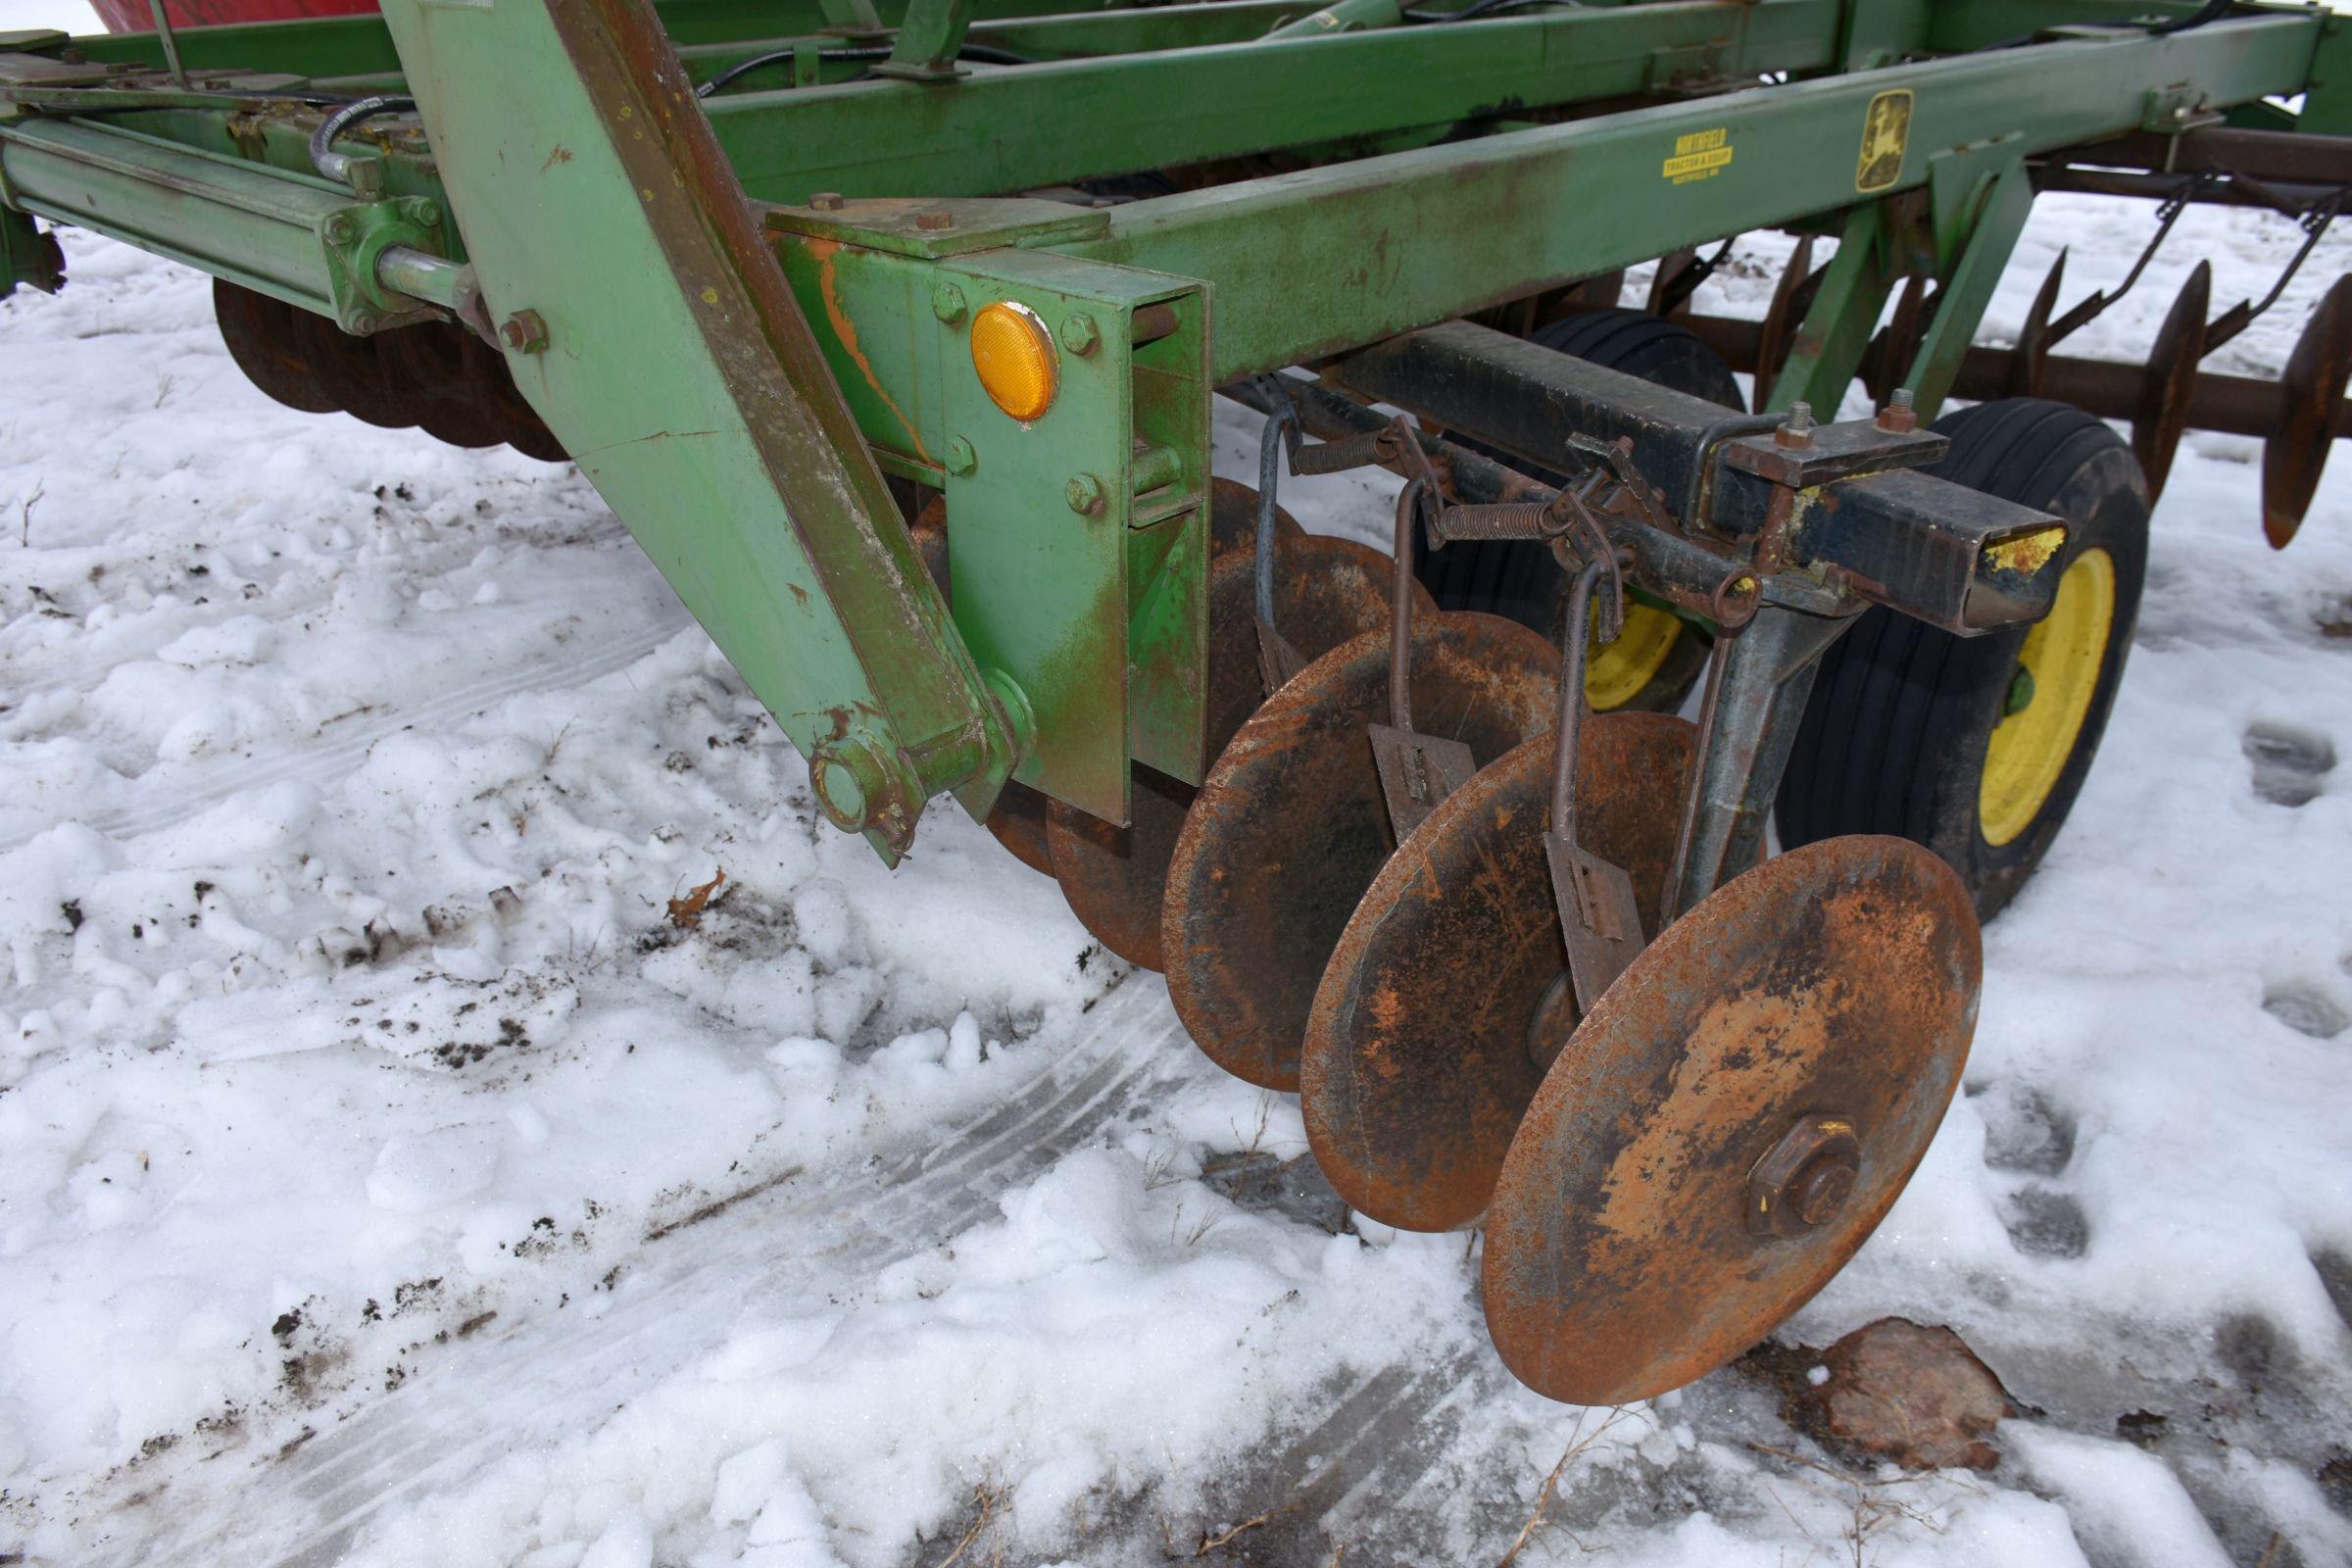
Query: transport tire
[1976, 747]
[1653, 663]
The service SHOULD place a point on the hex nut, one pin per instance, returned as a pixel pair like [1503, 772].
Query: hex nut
[961, 458]
[947, 302]
[1805, 1178]
[826, 201]
[339, 230]
[1079, 334]
[933, 220]
[1084, 493]
[524, 332]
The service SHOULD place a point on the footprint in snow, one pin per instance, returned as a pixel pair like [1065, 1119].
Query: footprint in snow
[2289, 762]
[2044, 1222]
[2306, 1010]
[2025, 1130]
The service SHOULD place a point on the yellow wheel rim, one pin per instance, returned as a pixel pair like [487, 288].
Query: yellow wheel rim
[1616, 672]
[2057, 673]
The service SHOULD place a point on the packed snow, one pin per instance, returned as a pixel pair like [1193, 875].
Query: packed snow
[390, 1179]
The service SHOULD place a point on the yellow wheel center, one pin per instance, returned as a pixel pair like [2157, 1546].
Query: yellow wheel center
[1615, 672]
[2048, 698]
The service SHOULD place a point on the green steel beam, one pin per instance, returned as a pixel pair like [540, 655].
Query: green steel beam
[1830, 342]
[1016, 128]
[362, 46]
[1309, 264]
[2005, 200]
[681, 374]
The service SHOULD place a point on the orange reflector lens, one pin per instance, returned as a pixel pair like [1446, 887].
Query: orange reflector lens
[1015, 355]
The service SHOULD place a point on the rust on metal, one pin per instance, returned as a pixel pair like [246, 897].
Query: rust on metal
[2297, 450]
[1233, 519]
[1115, 878]
[1292, 826]
[1445, 994]
[2163, 410]
[435, 375]
[1837, 983]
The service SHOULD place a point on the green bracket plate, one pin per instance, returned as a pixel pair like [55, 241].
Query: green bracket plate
[1089, 594]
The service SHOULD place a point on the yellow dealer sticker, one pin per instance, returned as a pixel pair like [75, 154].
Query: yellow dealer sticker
[1701, 154]
[1885, 129]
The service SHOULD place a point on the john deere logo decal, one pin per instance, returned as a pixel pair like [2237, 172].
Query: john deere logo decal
[1885, 131]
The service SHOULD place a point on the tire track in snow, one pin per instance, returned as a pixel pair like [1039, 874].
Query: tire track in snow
[556, 1376]
[547, 1377]
[171, 802]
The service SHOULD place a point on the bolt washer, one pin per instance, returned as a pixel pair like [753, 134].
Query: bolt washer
[1446, 996]
[1838, 981]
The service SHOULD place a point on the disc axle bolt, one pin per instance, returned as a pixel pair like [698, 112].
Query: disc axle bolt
[1805, 1179]
[1797, 429]
[1898, 416]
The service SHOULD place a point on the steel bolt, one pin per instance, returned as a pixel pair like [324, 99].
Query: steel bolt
[1820, 1188]
[339, 230]
[1078, 333]
[363, 322]
[1085, 494]
[1898, 416]
[1805, 1178]
[931, 220]
[826, 201]
[1797, 429]
[524, 332]
[961, 458]
[947, 302]
[423, 211]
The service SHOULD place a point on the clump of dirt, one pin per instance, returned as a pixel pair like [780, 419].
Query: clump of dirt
[1892, 1389]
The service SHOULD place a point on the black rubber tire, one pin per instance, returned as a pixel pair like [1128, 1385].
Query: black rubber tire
[1895, 732]
[1522, 581]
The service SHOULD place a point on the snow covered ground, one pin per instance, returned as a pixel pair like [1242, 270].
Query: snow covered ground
[388, 1179]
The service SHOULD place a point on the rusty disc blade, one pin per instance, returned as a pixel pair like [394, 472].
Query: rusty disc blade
[1834, 987]
[1233, 519]
[2026, 364]
[1326, 591]
[1435, 1019]
[1018, 821]
[2171, 377]
[2312, 388]
[260, 333]
[1292, 826]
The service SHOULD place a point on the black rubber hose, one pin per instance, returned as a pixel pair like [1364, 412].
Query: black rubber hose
[985, 54]
[324, 156]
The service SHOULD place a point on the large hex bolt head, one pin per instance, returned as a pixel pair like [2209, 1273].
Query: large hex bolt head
[1805, 1178]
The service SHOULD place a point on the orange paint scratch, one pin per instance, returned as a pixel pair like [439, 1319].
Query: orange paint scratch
[825, 250]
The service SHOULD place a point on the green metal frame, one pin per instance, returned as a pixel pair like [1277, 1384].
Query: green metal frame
[757, 302]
